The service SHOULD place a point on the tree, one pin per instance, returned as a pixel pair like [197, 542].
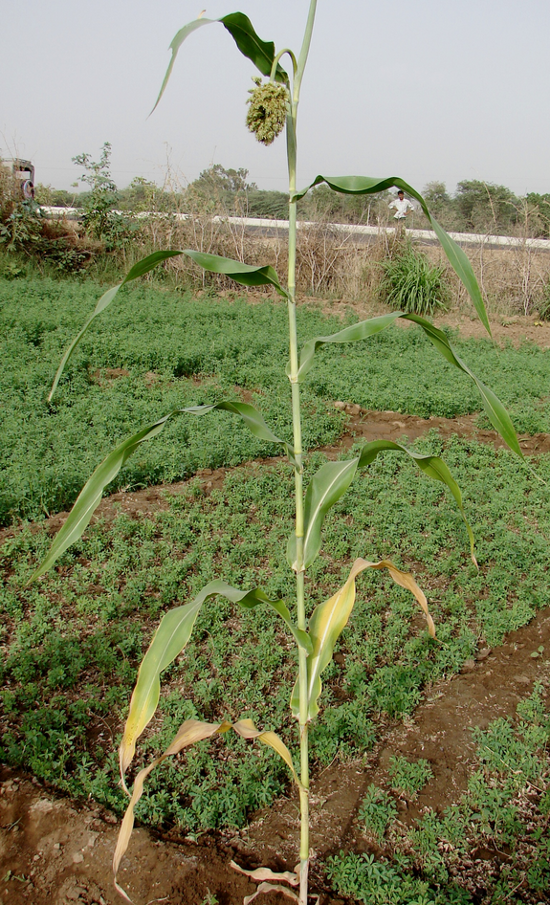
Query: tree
[485, 207]
[100, 218]
[539, 213]
[221, 191]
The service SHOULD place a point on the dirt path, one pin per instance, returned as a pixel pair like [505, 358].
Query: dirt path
[439, 731]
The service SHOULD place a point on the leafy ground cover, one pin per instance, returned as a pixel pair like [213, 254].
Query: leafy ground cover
[72, 643]
[162, 349]
[491, 846]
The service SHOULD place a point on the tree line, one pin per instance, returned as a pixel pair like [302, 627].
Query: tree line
[475, 206]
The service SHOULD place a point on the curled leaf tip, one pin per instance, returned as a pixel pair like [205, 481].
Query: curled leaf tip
[267, 110]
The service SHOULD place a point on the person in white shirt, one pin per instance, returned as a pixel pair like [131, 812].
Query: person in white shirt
[402, 206]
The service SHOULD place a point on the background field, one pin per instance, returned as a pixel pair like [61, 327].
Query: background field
[72, 643]
[159, 350]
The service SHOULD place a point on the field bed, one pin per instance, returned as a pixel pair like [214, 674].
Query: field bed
[159, 350]
[72, 643]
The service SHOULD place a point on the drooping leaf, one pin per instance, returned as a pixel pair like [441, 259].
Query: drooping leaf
[353, 333]
[329, 484]
[250, 416]
[246, 274]
[494, 408]
[90, 496]
[247, 602]
[239, 26]
[365, 185]
[246, 729]
[168, 642]
[190, 732]
[138, 270]
[175, 45]
[329, 620]
[496, 412]
[433, 466]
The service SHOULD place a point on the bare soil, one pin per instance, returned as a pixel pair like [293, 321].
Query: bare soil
[515, 328]
[55, 851]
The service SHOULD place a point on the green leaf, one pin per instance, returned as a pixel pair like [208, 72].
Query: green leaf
[497, 414]
[251, 417]
[261, 53]
[353, 333]
[246, 274]
[90, 495]
[365, 185]
[332, 480]
[494, 408]
[326, 487]
[249, 600]
[175, 45]
[138, 270]
[168, 642]
[239, 26]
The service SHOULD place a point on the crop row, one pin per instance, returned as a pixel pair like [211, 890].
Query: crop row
[72, 643]
[159, 350]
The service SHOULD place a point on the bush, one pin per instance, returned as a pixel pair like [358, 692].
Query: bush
[544, 307]
[413, 285]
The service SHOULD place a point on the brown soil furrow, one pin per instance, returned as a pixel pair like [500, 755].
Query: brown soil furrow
[363, 426]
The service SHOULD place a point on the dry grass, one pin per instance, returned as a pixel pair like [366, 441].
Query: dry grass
[329, 264]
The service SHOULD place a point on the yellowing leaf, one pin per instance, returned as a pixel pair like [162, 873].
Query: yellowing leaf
[271, 887]
[264, 873]
[329, 620]
[192, 731]
[189, 732]
[169, 640]
[246, 729]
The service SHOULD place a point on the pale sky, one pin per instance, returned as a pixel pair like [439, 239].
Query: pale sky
[426, 90]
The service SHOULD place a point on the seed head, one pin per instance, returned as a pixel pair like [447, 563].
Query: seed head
[267, 111]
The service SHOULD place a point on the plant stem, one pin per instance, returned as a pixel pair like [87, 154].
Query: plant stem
[298, 471]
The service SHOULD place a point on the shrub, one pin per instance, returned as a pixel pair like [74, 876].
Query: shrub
[544, 307]
[413, 285]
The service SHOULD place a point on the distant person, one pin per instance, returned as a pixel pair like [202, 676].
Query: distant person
[402, 206]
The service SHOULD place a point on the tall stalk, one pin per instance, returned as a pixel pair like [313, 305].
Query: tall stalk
[297, 434]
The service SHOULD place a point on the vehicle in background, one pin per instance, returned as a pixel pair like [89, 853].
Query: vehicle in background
[23, 171]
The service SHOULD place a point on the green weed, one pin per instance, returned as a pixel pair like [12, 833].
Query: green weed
[376, 882]
[377, 811]
[505, 809]
[147, 336]
[409, 777]
[80, 632]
